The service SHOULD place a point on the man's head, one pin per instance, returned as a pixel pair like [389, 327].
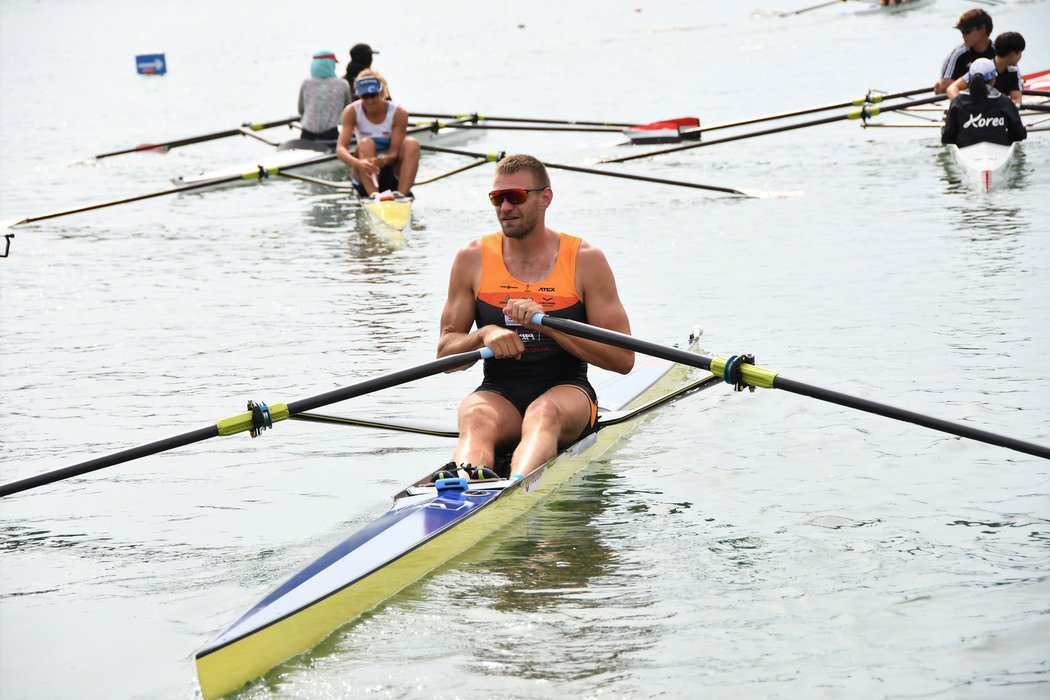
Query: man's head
[362, 54]
[976, 28]
[521, 193]
[1009, 46]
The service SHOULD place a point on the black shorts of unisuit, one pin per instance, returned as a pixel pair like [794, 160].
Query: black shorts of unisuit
[521, 396]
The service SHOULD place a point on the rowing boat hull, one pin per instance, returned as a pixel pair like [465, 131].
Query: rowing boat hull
[389, 217]
[419, 533]
[984, 164]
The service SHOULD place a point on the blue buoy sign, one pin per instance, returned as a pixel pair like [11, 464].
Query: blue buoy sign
[151, 64]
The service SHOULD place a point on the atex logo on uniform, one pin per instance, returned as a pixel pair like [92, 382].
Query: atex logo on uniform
[978, 121]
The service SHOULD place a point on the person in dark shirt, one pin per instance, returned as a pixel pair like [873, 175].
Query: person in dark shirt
[976, 28]
[360, 59]
[983, 114]
[1008, 49]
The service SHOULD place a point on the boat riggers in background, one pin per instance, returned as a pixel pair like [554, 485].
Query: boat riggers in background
[862, 113]
[258, 417]
[744, 373]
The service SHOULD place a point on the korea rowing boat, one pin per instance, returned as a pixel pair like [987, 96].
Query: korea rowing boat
[428, 524]
[985, 164]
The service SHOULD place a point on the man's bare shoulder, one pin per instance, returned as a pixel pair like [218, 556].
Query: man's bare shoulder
[469, 254]
[590, 255]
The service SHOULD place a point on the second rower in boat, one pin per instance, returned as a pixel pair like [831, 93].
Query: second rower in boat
[535, 397]
[1008, 49]
[360, 60]
[976, 28]
[322, 98]
[982, 114]
[385, 158]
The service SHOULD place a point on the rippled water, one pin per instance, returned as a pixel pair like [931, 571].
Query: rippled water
[736, 546]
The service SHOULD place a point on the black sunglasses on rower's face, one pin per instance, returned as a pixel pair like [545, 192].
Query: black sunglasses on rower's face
[514, 195]
[967, 29]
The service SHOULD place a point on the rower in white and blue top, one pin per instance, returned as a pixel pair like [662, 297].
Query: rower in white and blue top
[384, 158]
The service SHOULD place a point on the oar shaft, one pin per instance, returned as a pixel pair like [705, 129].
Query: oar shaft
[767, 379]
[523, 120]
[443, 364]
[901, 414]
[814, 7]
[642, 178]
[858, 102]
[860, 113]
[126, 200]
[254, 126]
[244, 421]
[517, 127]
[593, 171]
[109, 460]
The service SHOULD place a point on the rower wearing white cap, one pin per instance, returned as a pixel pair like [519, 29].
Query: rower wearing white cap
[982, 114]
[385, 158]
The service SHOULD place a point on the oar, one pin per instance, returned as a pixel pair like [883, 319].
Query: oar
[814, 7]
[863, 113]
[213, 182]
[317, 181]
[758, 194]
[257, 418]
[523, 120]
[518, 127]
[489, 158]
[742, 374]
[871, 97]
[165, 145]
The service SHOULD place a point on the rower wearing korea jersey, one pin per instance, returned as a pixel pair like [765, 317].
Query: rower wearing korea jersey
[983, 114]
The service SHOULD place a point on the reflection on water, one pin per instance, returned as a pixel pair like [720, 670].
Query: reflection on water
[558, 551]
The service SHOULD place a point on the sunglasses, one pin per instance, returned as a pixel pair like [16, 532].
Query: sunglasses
[514, 195]
[371, 94]
[967, 29]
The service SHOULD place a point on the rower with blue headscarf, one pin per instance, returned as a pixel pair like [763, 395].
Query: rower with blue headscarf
[322, 98]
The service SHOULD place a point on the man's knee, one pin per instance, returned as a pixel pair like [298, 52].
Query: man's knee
[544, 411]
[477, 414]
[410, 146]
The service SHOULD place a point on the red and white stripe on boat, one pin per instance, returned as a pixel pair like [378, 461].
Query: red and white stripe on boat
[664, 131]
